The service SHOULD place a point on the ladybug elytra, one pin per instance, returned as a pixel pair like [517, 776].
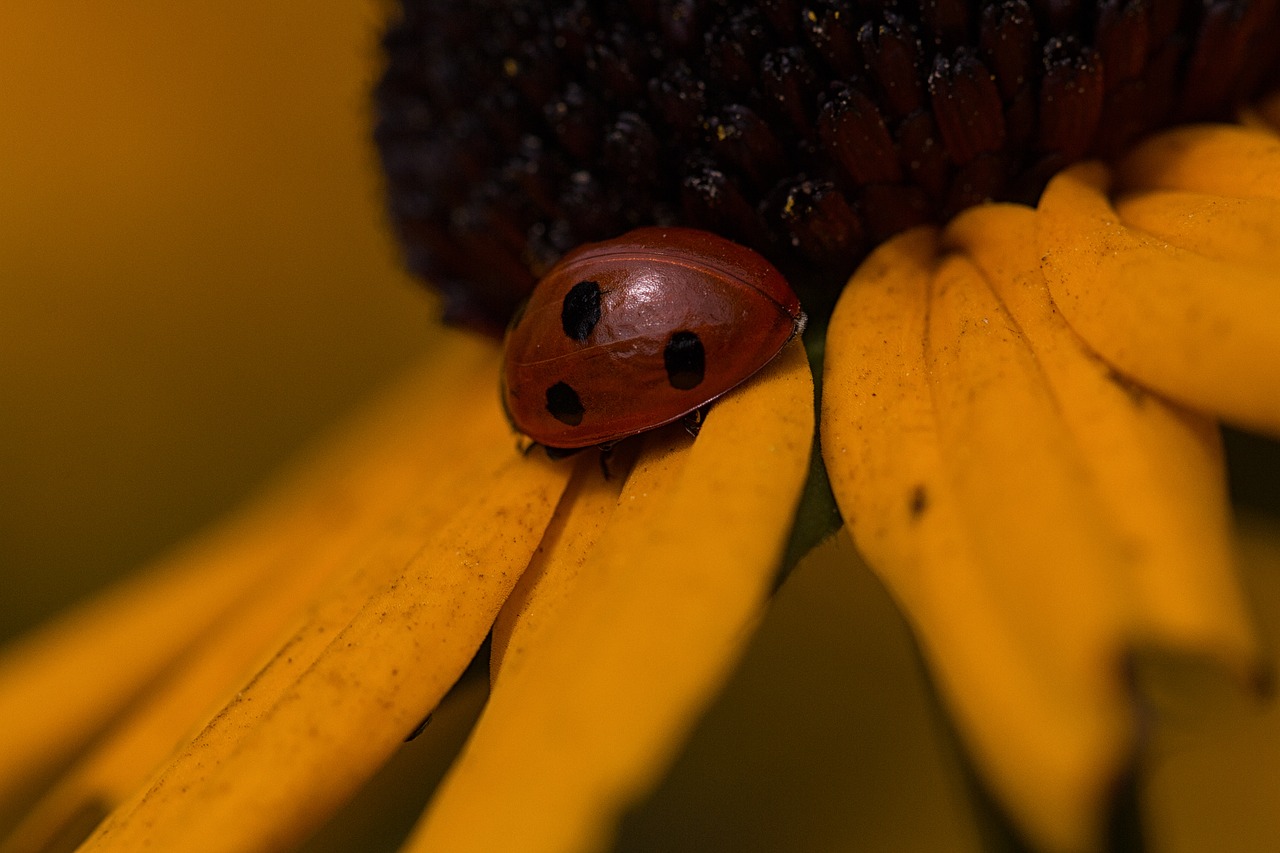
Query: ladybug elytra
[635, 332]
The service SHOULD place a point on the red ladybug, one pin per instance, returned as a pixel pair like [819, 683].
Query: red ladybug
[639, 331]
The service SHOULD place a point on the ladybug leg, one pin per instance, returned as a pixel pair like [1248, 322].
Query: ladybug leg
[418, 729]
[556, 453]
[606, 453]
[693, 421]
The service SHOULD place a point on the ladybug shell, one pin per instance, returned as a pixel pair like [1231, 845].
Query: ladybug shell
[635, 332]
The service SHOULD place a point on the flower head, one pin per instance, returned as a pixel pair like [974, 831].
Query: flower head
[809, 132]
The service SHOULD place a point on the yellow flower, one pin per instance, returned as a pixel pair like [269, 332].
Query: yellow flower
[1018, 419]
[999, 433]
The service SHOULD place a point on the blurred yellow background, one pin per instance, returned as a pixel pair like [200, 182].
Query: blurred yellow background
[195, 272]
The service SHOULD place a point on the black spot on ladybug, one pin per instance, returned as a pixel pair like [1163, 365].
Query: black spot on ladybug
[685, 360]
[564, 404]
[581, 310]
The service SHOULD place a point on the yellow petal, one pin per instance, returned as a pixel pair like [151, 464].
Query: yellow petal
[1050, 563]
[1213, 159]
[580, 521]
[1243, 231]
[605, 687]
[219, 665]
[269, 785]
[326, 710]
[1200, 331]
[948, 461]
[878, 434]
[1157, 468]
[60, 686]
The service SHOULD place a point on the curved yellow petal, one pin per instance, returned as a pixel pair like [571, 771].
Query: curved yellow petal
[60, 686]
[63, 684]
[267, 785]
[591, 709]
[949, 461]
[1214, 159]
[215, 671]
[878, 433]
[366, 665]
[1200, 331]
[579, 522]
[1244, 231]
[1051, 565]
[1157, 468]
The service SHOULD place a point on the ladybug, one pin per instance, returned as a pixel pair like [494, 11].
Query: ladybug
[635, 332]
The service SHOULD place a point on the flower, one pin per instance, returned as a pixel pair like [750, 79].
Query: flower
[1024, 457]
[1031, 559]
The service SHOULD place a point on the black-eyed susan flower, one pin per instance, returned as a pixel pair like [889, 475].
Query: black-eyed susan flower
[1026, 357]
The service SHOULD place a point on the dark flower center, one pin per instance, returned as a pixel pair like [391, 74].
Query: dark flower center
[511, 132]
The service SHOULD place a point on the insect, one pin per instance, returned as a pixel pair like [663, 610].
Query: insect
[635, 332]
